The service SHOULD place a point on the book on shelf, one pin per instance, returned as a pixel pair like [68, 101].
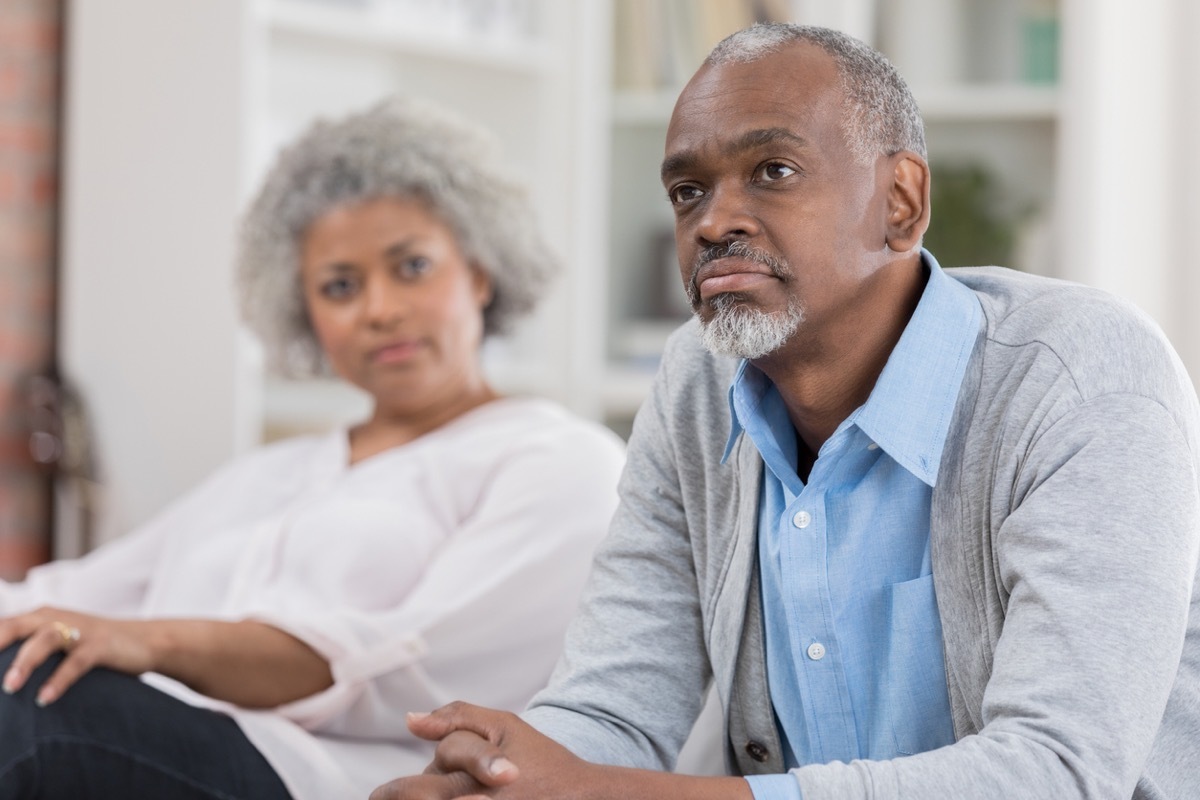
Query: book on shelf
[660, 43]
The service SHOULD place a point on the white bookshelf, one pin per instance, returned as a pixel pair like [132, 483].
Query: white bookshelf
[508, 45]
[984, 113]
[594, 346]
[997, 102]
[176, 108]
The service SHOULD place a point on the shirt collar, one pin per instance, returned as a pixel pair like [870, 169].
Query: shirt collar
[908, 412]
[745, 397]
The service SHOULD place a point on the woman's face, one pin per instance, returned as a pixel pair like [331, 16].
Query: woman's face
[394, 302]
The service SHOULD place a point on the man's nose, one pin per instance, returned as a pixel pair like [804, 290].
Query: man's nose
[727, 215]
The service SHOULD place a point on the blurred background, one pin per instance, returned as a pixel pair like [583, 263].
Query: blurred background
[1062, 135]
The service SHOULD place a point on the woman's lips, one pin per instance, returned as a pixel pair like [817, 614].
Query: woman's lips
[396, 352]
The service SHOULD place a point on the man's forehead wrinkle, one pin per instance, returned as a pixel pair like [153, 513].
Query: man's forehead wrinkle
[741, 143]
[762, 136]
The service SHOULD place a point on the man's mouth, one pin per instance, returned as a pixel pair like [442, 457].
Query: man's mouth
[731, 275]
[730, 268]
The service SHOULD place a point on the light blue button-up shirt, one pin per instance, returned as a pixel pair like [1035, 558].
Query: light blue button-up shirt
[853, 636]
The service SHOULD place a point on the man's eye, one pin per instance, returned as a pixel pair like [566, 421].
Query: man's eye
[684, 193]
[775, 171]
[338, 288]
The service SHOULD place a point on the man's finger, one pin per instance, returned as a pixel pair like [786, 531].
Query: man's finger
[467, 751]
[430, 787]
[458, 716]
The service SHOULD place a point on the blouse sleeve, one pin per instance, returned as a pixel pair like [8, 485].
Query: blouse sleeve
[484, 621]
[114, 579]
[110, 580]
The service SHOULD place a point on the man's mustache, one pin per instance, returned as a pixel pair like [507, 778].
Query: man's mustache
[739, 249]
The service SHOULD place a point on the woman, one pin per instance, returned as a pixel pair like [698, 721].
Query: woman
[287, 613]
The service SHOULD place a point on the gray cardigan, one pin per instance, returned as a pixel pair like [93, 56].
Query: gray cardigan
[1065, 539]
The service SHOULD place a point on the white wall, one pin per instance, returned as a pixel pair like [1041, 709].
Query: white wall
[1184, 124]
[1131, 94]
[158, 119]
[153, 166]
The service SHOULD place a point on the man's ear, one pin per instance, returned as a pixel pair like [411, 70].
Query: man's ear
[908, 202]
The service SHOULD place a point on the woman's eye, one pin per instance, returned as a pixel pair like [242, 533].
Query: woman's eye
[684, 193]
[775, 171]
[338, 288]
[414, 267]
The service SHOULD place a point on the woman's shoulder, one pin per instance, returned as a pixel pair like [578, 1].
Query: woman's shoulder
[533, 436]
[535, 420]
[290, 450]
[281, 460]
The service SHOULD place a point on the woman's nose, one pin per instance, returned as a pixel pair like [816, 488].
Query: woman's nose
[385, 303]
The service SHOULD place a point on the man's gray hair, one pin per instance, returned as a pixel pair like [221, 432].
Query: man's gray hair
[401, 148]
[881, 116]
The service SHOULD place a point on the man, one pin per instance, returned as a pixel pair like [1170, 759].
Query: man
[1025, 446]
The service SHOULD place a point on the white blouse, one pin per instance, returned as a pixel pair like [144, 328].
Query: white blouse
[446, 568]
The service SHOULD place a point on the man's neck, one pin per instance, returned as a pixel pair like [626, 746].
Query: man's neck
[823, 375]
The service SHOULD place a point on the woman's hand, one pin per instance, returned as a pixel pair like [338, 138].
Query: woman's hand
[87, 642]
[247, 663]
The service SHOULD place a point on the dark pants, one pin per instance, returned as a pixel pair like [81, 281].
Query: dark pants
[113, 737]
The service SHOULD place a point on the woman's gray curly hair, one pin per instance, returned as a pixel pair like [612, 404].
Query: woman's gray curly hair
[402, 148]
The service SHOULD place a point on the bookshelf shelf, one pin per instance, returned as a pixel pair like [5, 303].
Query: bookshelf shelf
[986, 112]
[966, 102]
[502, 49]
[988, 102]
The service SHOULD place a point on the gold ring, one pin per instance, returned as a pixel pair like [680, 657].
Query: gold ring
[69, 633]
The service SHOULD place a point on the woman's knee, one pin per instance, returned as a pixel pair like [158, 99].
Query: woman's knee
[17, 765]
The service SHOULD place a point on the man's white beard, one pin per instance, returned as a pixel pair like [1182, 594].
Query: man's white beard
[736, 329]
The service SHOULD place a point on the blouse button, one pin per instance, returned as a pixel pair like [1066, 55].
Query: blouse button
[757, 751]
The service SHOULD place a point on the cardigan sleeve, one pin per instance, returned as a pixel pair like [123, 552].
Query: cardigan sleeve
[635, 669]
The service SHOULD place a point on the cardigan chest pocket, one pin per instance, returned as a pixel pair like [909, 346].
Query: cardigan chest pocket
[912, 690]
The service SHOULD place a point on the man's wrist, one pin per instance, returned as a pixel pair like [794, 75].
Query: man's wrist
[621, 783]
[774, 787]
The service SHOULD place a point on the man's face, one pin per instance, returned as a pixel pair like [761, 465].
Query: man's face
[779, 228]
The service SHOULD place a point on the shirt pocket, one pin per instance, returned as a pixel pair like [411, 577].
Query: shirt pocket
[913, 691]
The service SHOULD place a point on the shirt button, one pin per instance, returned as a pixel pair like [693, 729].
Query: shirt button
[801, 519]
[757, 751]
[872, 446]
[816, 651]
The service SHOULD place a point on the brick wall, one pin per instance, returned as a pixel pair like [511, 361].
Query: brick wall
[30, 60]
